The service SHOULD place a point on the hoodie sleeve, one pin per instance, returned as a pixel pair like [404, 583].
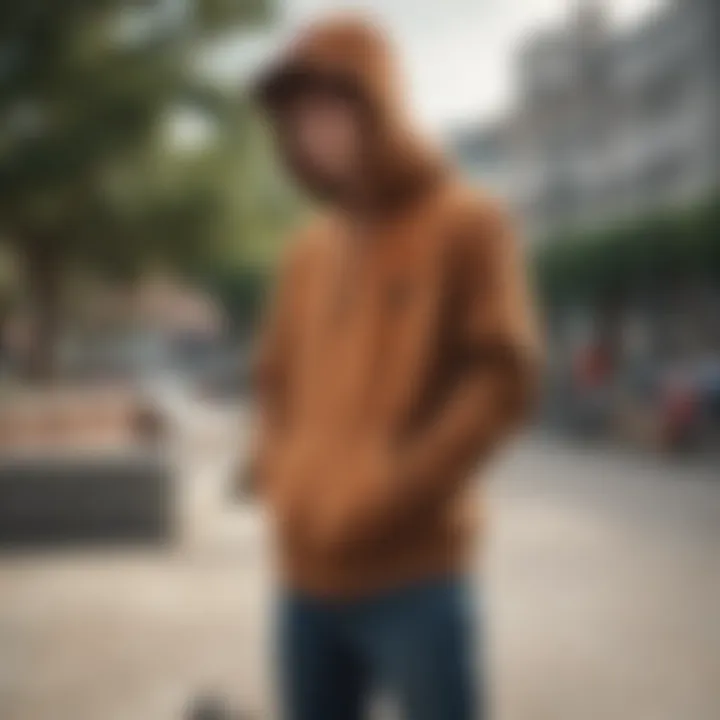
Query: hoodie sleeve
[494, 355]
[492, 359]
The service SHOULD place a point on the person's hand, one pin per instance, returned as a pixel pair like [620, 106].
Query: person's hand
[354, 509]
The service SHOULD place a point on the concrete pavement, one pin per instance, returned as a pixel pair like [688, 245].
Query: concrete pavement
[601, 585]
[604, 586]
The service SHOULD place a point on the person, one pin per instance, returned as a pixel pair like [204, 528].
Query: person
[399, 350]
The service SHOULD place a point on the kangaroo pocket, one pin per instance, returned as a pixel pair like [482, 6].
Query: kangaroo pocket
[434, 547]
[312, 475]
[318, 481]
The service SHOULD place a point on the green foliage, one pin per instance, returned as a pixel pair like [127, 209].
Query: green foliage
[88, 179]
[643, 257]
[86, 89]
[241, 292]
[216, 15]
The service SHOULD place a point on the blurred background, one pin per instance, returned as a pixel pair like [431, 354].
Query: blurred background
[141, 217]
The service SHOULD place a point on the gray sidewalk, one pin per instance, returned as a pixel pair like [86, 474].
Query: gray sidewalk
[602, 591]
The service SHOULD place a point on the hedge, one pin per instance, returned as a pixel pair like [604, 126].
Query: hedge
[643, 256]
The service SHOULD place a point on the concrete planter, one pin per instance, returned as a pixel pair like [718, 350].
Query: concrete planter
[54, 500]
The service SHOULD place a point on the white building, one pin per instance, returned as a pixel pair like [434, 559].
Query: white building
[607, 125]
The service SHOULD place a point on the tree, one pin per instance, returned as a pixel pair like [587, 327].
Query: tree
[86, 88]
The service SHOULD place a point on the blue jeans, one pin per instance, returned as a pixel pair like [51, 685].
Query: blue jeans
[416, 646]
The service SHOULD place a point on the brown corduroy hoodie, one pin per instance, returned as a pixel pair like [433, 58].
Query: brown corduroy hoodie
[399, 351]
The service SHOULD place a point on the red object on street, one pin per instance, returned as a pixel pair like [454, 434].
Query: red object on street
[592, 367]
[679, 412]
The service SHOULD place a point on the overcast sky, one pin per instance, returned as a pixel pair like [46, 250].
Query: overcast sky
[457, 54]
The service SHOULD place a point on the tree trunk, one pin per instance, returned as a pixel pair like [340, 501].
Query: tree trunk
[44, 278]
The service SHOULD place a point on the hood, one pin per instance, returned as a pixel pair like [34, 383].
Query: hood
[353, 55]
